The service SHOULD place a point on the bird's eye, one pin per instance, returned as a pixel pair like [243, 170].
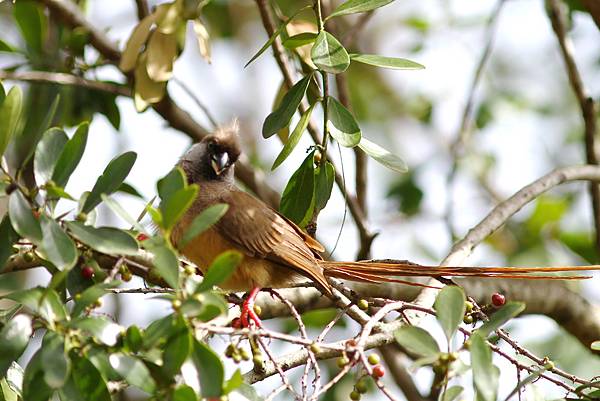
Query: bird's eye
[211, 147]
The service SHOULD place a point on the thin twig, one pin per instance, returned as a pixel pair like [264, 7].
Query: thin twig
[589, 108]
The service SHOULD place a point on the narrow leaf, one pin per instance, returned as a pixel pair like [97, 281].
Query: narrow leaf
[357, 6]
[329, 55]
[417, 341]
[298, 198]
[70, 156]
[9, 237]
[324, 177]
[107, 240]
[14, 338]
[10, 116]
[90, 295]
[294, 137]
[165, 261]
[47, 153]
[56, 245]
[111, 179]
[171, 183]
[176, 352]
[118, 209]
[299, 40]
[500, 317]
[136, 40]
[274, 36]
[174, 207]
[450, 308]
[220, 269]
[207, 218]
[102, 329]
[341, 124]
[393, 63]
[54, 360]
[289, 104]
[89, 381]
[22, 218]
[133, 371]
[211, 374]
[452, 393]
[382, 156]
[485, 374]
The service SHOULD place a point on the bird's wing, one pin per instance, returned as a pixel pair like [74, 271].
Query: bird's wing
[260, 231]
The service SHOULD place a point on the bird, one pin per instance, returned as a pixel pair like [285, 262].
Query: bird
[277, 253]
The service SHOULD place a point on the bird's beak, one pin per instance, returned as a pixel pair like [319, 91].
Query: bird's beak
[219, 162]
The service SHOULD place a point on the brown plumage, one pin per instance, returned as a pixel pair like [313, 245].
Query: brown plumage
[276, 251]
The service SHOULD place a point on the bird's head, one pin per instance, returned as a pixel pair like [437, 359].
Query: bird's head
[213, 158]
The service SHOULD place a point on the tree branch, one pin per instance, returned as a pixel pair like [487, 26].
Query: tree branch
[589, 109]
[177, 118]
[65, 79]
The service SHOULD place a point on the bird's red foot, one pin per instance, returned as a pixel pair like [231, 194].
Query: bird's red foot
[248, 315]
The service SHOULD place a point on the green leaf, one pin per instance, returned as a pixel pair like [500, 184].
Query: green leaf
[596, 346]
[109, 240]
[118, 209]
[7, 48]
[341, 124]
[294, 137]
[207, 218]
[382, 156]
[159, 330]
[14, 380]
[234, 382]
[452, 393]
[210, 370]
[47, 154]
[57, 247]
[220, 269]
[100, 328]
[34, 385]
[300, 39]
[54, 360]
[32, 24]
[328, 54]
[133, 338]
[417, 341]
[171, 183]
[501, 316]
[133, 371]
[274, 36]
[176, 352]
[9, 237]
[70, 156]
[10, 116]
[357, 6]
[88, 380]
[298, 198]
[485, 374]
[14, 338]
[43, 302]
[173, 208]
[450, 308]
[205, 306]
[111, 179]
[90, 295]
[165, 261]
[247, 392]
[394, 63]
[324, 178]
[130, 190]
[22, 218]
[184, 393]
[281, 116]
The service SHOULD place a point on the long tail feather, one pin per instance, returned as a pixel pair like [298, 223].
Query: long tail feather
[385, 271]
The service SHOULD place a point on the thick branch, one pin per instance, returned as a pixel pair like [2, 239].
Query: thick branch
[589, 109]
[177, 118]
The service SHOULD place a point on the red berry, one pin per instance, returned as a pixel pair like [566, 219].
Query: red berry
[236, 323]
[378, 371]
[498, 300]
[142, 237]
[87, 272]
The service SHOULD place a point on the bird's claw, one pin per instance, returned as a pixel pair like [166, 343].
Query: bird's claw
[249, 315]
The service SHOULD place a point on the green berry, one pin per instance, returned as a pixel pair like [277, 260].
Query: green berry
[469, 306]
[363, 304]
[257, 310]
[374, 359]
[468, 319]
[237, 358]
[245, 355]
[315, 348]
[355, 395]
[28, 256]
[176, 304]
[230, 350]
[257, 360]
[453, 356]
[342, 361]
[361, 386]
